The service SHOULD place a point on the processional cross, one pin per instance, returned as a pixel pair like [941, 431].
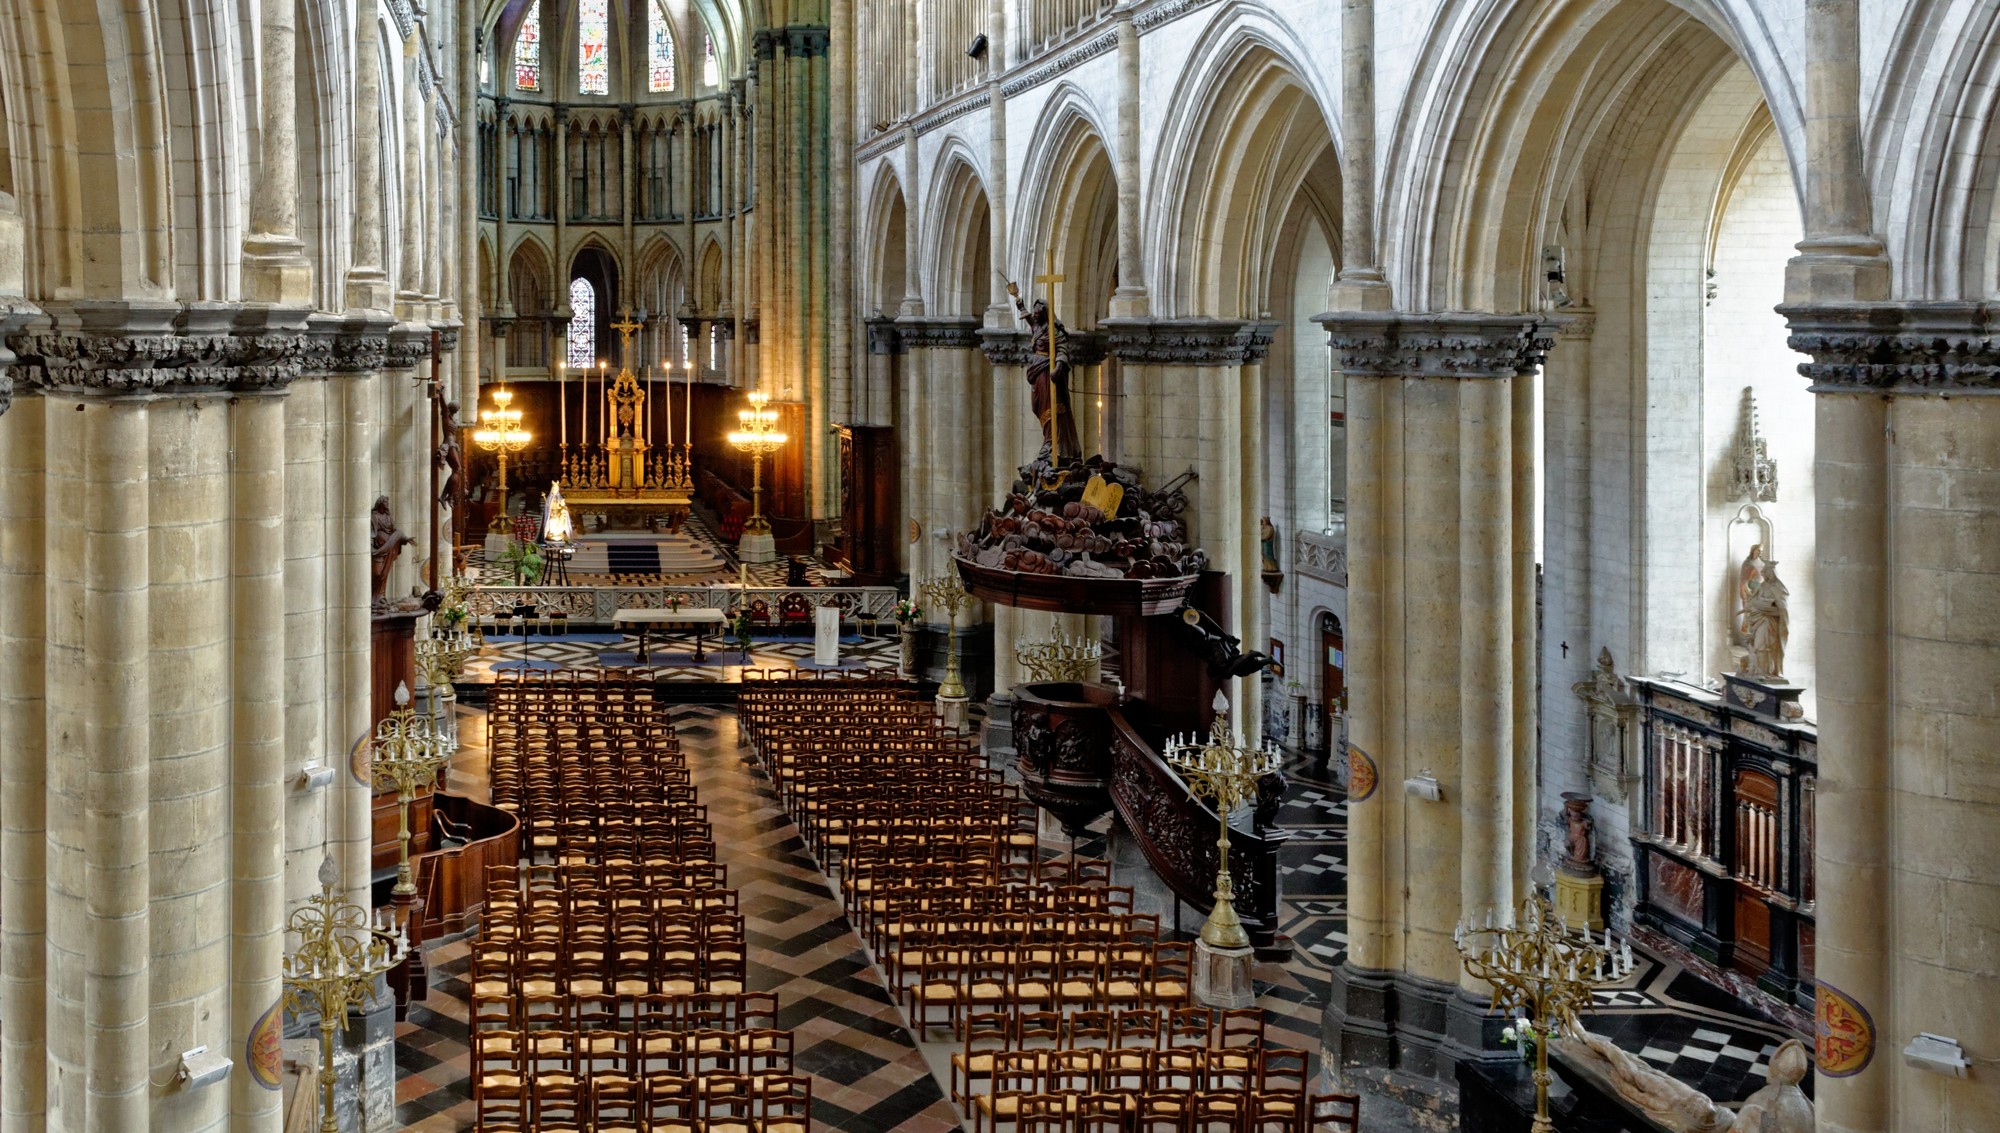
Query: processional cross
[626, 328]
[1055, 400]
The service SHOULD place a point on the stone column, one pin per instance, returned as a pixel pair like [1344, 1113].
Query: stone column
[410, 275]
[275, 268]
[110, 789]
[1840, 258]
[355, 478]
[24, 982]
[840, 227]
[1907, 534]
[913, 226]
[257, 758]
[1131, 300]
[367, 283]
[1360, 286]
[470, 301]
[1432, 623]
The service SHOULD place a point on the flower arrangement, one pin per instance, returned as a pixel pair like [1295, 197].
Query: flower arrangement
[676, 601]
[526, 561]
[740, 629]
[1521, 1033]
[907, 613]
[453, 616]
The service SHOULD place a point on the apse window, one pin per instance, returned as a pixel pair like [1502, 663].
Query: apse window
[711, 71]
[582, 324]
[593, 45]
[528, 51]
[660, 66]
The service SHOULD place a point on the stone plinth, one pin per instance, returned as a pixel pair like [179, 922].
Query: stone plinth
[1222, 976]
[757, 547]
[1580, 899]
[953, 711]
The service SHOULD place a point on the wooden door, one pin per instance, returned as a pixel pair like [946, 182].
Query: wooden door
[1333, 673]
[1755, 866]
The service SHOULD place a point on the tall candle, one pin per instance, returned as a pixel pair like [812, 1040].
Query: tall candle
[604, 399]
[667, 386]
[562, 402]
[690, 408]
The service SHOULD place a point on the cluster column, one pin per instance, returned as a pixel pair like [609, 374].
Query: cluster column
[1433, 630]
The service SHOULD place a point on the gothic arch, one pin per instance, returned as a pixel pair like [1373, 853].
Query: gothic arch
[1250, 136]
[1074, 203]
[961, 246]
[886, 253]
[709, 288]
[1519, 95]
[1942, 220]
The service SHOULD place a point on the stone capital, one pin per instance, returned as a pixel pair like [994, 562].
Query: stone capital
[409, 345]
[1901, 348]
[134, 347]
[1188, 342]
[16, 315]
[939, 332]
[1005, 346]
[356, 342]
[1453, 344]
[883, 337]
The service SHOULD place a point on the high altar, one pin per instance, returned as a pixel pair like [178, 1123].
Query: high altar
[621, 468]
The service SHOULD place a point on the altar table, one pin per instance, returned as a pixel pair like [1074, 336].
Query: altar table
[697, 619]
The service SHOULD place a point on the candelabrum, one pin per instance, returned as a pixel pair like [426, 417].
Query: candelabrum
[948, 595]
[1059, 658]
[1225, 773]
[441, 658]
[458, 588]
[1536, 964]
[341, 953]
[760, 437]
[407, 754]
[500, 433]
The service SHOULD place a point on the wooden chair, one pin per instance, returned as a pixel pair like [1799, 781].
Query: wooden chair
[984, 1033]
[616, 1104]
[784, 1103]
[1334, 1113]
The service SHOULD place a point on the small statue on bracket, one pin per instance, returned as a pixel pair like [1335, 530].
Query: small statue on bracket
[385, 545]
[1222, 652]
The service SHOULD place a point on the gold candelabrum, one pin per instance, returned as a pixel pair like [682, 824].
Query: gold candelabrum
[500, 433]
[1536, 964]
[407, 754]
[760, 437]
[1060, 658]
[441, 657]
[1225, 773]
[458, 588]
[946, 593]
[342, 952]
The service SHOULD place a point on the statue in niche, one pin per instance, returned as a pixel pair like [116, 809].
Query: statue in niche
[386, 542]
[1763, 617]
[1048, 380]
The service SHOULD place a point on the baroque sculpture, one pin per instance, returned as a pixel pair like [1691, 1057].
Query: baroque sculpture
[448, 455]
[1763, 617]
[1048, 379]
[386, 542]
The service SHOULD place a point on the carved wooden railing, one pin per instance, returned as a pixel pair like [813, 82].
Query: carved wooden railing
[1177, 835]
[597, 604]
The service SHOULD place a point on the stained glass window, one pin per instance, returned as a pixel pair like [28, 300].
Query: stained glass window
[661, 63]
[528, 50]
[593, 44]
[711, 71]
[582, 325]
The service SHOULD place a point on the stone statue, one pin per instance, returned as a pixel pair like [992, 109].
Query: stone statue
[448, 455]
[1674, 1105]
[1048, 379]
[1268, 538]
[1780, 1107]
[1579, 828]
[1763, 617]
[386, 542]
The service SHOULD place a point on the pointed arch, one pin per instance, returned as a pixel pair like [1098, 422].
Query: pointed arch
[1250, 136]
[960, 244]
[709, 276]
[885, 257]
[1073, 210]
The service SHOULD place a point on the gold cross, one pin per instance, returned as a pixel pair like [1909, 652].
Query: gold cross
[1055, 400]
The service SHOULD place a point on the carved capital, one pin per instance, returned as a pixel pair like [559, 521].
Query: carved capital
[938, 332]
[1188, 342]
[16, 315]
[883, 337]
[1444, 345]
[117, 348]
[1005, 346]
[750, 332]
[409, 345]
[1905, 348]
[353, 343]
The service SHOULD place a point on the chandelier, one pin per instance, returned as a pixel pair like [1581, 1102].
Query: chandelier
[759, 436]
